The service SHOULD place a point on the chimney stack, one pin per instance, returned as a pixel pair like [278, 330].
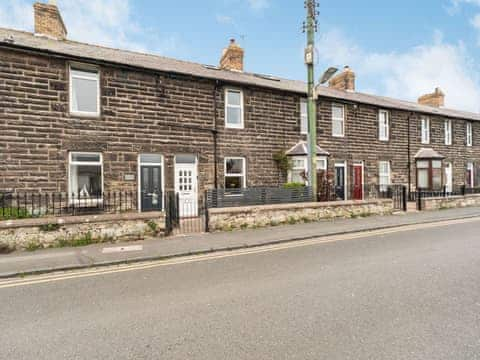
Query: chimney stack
[344, 81]
[435, 99]
[232, 57]
[48, 20]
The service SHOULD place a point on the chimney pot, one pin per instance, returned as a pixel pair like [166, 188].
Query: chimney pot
[232, 57]
[48, 20]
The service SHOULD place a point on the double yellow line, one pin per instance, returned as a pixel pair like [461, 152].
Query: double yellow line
[78, 274]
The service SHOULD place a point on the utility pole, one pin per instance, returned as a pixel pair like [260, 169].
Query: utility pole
[310, 27]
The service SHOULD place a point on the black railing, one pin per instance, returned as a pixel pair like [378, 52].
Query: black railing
[220, 198]
[444, 192]
[30, 205]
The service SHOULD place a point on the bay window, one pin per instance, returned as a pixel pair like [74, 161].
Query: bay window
[299, 169]
[429, 174]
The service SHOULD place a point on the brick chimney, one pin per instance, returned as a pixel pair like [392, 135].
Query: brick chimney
[435, 99]
[48, 20]
[343, 81]
[232, 57]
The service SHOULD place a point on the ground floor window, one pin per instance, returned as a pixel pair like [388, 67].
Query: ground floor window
[299, 168]
[429, 174]
[235, 173]
[384, 177]
[469, 181]
[85, 175]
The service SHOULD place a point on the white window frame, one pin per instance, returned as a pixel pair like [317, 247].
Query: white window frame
[385, 135]
[448, 132]
[471, 170]
[338, 120]
[139, 176]
[243, 175]
[304, 117]
[469, 134]
[425, 130]
[83, 163]
[387, 175]
[93, 74]
[241, 107]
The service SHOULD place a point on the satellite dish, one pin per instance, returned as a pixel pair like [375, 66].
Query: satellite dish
[327, 75]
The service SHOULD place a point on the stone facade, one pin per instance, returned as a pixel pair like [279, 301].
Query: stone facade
[228, 219]
[54, 232]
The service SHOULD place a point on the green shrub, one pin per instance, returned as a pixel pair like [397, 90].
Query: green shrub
[33, 246]
[153, 226]
[49, 227]
[293, 185]
[14, 213]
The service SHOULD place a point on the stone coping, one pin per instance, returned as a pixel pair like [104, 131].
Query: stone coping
[80, 219]
[294, 206]
[454, 197]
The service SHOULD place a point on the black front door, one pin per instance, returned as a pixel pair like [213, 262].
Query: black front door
[340, 182]
[151, 188]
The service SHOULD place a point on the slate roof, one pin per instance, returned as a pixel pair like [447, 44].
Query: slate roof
[22, 39]
[427, 153]
[301, 149]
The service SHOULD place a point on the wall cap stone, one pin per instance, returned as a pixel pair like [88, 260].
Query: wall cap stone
[293, 206]
[82, 219]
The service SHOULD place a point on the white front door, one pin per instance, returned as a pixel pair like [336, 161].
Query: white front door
[186, 185]
[449, 177]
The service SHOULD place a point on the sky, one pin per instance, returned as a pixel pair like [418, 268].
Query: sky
[401, 49]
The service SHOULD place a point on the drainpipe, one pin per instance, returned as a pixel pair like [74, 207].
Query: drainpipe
[409, 163]
[215, 134]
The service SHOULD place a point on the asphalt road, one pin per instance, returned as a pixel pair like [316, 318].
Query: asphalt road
[406, 295]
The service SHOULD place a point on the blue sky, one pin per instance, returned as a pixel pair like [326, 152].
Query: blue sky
[397, 48]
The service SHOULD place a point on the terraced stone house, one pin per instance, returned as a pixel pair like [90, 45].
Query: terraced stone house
[79, 118]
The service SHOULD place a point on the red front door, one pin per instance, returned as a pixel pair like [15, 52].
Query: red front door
[357, 182]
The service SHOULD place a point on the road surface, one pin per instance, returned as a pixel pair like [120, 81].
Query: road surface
[398, 295]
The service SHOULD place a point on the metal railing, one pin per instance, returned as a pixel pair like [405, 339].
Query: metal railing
[30, 205]
[220, 198]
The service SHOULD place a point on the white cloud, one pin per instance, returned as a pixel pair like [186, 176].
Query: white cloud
[409, 74]
[258, 4]
[103, 22]
[224, 19]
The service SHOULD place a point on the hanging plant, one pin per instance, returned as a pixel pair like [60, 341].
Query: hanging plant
[283, 161]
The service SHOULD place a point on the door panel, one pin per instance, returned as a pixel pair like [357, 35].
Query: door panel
[357, 182]
[187, 188]
[151, 188]
[340, 182]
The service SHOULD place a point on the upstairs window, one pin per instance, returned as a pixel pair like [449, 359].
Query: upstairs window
[448, 132]
[303, 116]
[383, 125]
[234, 109]
[469, 134]
[338, 120]
[384, 175]
[84, 92]
[425, 130]
[235, 173]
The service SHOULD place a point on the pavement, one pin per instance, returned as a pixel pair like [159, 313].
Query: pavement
[50, 260]
[397, 294]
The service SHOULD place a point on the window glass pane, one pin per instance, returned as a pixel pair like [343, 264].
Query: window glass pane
[84, 95]
[436, 178]
[234, 98]
[423, 178]
[298, 176]
[337, 127]
[298, 163]
[321, 164]
[76, 157]
[423, 164]
[436, 164]
[185, 159]
[86, 180]
[337, 112]
[233, 182]
[234, 116]
[234, 166]
[303, 116]
[150, 159]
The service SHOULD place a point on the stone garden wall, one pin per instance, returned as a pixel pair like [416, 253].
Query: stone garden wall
[227, 219]
[32, 234]
[441, 203]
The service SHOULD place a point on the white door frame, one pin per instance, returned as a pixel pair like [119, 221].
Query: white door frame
[194, 179]
[449, 176]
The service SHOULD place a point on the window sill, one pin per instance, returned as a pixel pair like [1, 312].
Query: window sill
[85, 115]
